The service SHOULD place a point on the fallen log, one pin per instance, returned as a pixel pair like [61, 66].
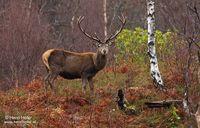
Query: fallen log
[163, 103]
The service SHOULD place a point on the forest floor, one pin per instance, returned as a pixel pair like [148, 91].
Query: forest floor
[69, 108]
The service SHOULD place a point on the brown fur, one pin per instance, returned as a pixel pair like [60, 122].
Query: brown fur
[72, 65]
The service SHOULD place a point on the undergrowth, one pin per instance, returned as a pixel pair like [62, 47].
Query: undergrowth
[69, 108]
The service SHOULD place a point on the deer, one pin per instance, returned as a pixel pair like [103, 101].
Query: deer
[75, 65]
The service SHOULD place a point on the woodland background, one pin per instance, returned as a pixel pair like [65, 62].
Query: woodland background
[29, 27]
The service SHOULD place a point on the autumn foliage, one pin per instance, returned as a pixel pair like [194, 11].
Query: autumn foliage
[29, 27]
[71, 108]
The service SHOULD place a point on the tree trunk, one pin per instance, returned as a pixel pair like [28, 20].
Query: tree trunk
[187, 80]
[197, 116]
[105, 18]
[155, 73]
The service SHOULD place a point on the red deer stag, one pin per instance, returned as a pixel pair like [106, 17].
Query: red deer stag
[73, 65]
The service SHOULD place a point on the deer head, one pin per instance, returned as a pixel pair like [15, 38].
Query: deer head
[103, 46]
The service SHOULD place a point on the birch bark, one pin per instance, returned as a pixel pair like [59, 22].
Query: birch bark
[155, 73]
[197, 116]
[105, 18]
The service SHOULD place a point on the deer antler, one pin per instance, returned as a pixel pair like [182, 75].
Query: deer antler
[112, 36]
[96, 38]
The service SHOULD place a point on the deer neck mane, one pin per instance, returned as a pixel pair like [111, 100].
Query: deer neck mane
[100, 60]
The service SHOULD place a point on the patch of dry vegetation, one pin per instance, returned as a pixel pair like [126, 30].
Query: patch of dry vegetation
[70, 108]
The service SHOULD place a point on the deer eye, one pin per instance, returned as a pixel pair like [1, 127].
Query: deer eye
[110, 43]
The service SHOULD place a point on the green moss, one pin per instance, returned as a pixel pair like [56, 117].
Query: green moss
[2, 117]
[19, 93]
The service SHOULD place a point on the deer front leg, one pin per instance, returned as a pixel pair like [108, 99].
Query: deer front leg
[84, 82]
[91, 84]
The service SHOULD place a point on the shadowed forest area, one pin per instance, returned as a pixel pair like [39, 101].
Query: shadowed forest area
[30, 27]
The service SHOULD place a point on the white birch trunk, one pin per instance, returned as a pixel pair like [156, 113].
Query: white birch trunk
[197, 116]
[155, 73]
[105, 18]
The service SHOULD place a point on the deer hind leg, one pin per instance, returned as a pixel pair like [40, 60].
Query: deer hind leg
[55, 70]
[46, 80]
[51, 82]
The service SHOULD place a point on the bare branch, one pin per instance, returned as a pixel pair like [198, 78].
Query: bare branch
[80, 19]
[123, 22]
[194, 10]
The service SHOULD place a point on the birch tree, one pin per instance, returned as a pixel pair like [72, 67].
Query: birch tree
[105, 18]
[155, 73]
